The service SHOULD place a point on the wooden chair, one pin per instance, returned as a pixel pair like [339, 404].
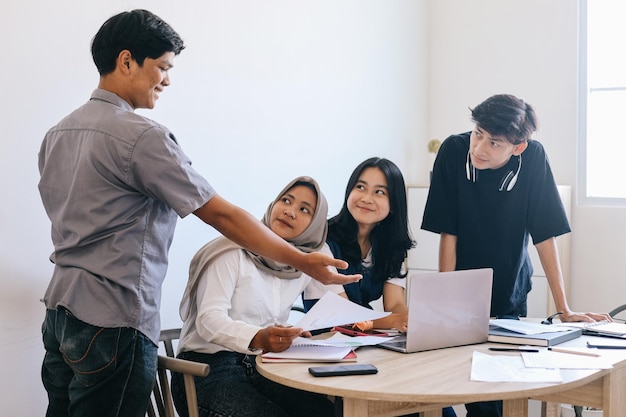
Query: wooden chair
[616, 312]
[167, 337]
[161, 402]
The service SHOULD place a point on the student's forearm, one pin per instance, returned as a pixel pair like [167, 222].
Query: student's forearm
[394, 298]
[394, 302]
[447, 252]
[389, 322]
[549, 257]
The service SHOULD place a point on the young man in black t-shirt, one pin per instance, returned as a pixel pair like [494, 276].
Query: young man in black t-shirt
[492, 190]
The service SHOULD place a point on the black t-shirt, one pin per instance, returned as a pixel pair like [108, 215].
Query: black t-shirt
[493, 226]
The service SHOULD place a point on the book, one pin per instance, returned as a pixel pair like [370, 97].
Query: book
[311, 353]
[526, 326]
[350, 357]
[501, 335]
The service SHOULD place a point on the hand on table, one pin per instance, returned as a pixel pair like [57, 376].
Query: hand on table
[586, 317]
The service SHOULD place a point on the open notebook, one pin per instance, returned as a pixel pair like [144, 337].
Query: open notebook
[600, 328]
[312, 353]
[446, 309]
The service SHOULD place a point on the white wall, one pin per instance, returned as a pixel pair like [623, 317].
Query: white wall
[314, 87]
[265, 91]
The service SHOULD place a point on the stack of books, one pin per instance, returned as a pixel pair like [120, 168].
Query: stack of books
[519, 332]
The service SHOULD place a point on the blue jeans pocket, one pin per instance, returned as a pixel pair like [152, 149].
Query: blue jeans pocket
[89, 350]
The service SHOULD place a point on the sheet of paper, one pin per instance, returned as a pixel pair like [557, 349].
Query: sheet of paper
[525, 327]
[548, 359]
[333, 310]
[500, 368]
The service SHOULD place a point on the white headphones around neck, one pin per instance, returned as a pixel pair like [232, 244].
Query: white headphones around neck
[509, 179]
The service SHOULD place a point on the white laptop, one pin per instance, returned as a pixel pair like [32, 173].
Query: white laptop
[446, 309]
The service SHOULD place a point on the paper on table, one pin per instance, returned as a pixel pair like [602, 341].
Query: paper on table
[548, 359]
[487, 368]
[333, 310]
[525, 327]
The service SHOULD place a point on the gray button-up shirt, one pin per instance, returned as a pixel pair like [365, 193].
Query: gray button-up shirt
[113, 183]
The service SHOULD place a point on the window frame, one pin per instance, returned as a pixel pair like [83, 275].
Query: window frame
[583, 90]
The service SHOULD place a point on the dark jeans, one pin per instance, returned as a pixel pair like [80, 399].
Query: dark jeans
[484, 409]
[234, 388]
[90, 371]
[448, 412]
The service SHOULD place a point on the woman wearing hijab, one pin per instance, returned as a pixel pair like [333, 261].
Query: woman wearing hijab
[233, 307]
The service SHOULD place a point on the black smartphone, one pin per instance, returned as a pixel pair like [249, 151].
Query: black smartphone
[339, 370]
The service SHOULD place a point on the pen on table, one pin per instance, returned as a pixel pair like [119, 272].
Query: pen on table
[573, 352]
[497, 349]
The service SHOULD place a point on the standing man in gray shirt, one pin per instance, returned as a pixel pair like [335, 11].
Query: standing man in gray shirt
[113, 184]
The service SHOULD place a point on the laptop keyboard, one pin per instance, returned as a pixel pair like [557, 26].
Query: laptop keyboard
[399, 341]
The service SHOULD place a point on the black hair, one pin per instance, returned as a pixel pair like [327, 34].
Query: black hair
[141, 32]
[508, 116]
[390, 238]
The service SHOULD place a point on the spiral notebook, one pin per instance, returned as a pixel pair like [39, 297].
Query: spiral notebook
[446, 309]
[600, 328]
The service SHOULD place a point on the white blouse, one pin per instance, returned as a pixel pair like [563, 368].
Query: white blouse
[235, 300]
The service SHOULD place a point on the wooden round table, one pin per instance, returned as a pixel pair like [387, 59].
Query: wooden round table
[428, 381]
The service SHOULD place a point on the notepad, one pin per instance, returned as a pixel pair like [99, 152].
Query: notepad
[311, 353]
